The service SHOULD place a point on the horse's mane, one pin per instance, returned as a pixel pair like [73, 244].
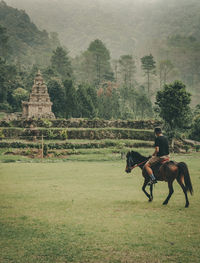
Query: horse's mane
[138, 156]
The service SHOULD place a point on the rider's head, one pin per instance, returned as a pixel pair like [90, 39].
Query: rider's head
[157, 131]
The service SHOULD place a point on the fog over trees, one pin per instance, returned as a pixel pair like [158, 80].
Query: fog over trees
[103, 45]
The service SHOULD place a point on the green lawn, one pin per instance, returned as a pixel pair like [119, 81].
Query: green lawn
[94, 212]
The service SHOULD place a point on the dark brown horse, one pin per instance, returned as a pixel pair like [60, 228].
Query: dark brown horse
[168, 172]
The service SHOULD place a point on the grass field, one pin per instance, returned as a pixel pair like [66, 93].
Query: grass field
[93, 212]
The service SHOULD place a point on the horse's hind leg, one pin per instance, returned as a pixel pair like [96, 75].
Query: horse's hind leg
[179, 180]
[143, 189]
[171, 190]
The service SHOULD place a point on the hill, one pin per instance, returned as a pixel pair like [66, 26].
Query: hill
[28, 44]
[125, 26]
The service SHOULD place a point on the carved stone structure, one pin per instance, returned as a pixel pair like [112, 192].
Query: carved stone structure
[39, 104]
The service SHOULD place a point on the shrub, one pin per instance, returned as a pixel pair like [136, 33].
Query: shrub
[1, 134]
[45, 150]
[186, 148]
[197, 148]
[195, 129]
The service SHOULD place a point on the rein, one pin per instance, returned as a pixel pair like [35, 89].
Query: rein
[138, 164]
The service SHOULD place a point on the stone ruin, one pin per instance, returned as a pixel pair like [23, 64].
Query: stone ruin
[39, 104]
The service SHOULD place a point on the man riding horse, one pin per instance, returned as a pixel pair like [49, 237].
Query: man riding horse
[160, 154]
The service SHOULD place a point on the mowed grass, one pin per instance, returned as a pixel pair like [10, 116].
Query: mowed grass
[94, 212]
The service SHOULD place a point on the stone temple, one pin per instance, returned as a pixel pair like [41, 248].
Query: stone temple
[39, 104]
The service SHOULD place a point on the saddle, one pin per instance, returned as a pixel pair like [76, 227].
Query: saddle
[164, 161]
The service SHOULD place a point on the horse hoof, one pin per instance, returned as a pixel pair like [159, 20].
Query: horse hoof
[150, 199]
[165, 203]
[187, 205]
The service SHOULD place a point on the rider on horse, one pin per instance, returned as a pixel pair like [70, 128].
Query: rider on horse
[160, 154]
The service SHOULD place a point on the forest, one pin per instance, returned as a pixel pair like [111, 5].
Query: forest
[100, 80]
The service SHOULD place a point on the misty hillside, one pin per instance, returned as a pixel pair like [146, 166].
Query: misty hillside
[128, 26]
[28, 44]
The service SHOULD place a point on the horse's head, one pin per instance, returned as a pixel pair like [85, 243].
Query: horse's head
[132, 159]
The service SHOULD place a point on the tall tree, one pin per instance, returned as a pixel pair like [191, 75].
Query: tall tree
[127, 70]
[98, 59]
[7, 76]
[149, 68]
[4, 47]
[61, 63]
[173, 102]
[57, 95]
[165, 68]
[85, 107]
[71, 103]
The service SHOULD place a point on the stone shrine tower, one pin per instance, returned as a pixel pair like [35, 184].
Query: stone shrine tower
[39, 104]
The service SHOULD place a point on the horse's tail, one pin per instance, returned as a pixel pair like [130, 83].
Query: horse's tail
[183, 170]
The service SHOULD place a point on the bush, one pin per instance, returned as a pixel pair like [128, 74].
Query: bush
[1, 134]
[45, 150]
[197, 148]
[195, 129]
[82, 123]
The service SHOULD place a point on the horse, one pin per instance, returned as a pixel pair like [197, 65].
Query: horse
[167, 171]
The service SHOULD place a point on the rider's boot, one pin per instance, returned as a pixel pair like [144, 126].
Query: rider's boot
[152, 180]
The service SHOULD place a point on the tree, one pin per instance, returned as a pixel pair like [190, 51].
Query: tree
[57, 95]
[4, 47]
[18, 96]
[109, 101]
[7, 76]
[195, 128]
[71, 99]
[165, 68]
[61, 63]
[127, 70]
[173, 102]
[98, 59]
[85, 106]
[148, 66]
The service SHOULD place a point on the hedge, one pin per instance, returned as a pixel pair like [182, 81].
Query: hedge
[92, 134]
[68, 145]
[81, 123]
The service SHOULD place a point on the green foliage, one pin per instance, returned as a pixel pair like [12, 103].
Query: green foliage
[58, 97]
[81, 133]
[46, 123]
[60, 62]
[1, 134]
[4, 47]
[95, 64]
[85, 106]
[195, 129]
[197, 148]
[71, 99]
[127, 70]
[7, 75]
[27, 43]
[186, 148]
[18, 96]
[173, 102]
[149, 68]
[45, 150]
[165, 68]
[64, 134]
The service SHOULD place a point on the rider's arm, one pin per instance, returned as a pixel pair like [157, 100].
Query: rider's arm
[156, 151]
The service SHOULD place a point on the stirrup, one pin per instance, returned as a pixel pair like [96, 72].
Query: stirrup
[152, 182]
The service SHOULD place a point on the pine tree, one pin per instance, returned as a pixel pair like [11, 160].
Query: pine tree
[148, 66]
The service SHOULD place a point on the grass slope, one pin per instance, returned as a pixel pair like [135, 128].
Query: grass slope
[93, 212]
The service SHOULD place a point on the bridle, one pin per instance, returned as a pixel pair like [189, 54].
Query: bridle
[130, 168]
[136, 165]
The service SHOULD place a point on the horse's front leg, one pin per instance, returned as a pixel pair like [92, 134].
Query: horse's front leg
[171, 190]
[144, 190]
[151, 193]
